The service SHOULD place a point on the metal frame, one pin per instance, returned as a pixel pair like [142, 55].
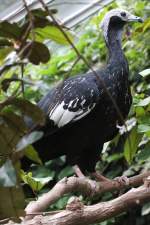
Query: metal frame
[18, 11]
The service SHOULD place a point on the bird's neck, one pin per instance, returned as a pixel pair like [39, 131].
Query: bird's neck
[113, 42]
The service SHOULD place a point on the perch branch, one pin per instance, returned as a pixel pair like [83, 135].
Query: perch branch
[82, 185]
[101, 211]
[86, 215]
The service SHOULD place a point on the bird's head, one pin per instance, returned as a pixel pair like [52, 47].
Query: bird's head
[116, 19]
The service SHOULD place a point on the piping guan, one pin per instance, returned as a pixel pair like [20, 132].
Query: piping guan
[81, 116]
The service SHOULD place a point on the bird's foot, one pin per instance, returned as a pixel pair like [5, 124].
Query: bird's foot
[123, 180]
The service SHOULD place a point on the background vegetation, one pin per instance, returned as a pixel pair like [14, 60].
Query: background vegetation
[23, 85]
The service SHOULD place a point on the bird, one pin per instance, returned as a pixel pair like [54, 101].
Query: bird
[82, 112]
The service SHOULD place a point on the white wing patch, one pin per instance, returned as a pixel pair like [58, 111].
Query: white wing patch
[62, 116]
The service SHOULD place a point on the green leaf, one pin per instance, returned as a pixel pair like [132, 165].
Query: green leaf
[3, 53]
[4, 42]
[40, 13]
[139, 111]
[9, 137]
[67, 171]
[144, 102]
[145, 73]
[2, 160]
[15, 122]
[146, 209]
[44, 171]
[12, 202]
[7, 175]
[10, 30]
[32, 154]
[29, 139]
[62, 202]
[35, 183]
[29, 109]
[144, 153]
[37, 53]
[131, 145]
[143, 128]
[114, 157]
[52, 33]
[7, 81]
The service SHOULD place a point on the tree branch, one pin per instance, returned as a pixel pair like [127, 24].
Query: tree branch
[85, 215]
[84, 186]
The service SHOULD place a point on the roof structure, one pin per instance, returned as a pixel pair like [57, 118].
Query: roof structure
[76, 11]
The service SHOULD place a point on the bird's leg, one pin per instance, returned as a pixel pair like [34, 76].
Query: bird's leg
[78, 172]
[100, 177]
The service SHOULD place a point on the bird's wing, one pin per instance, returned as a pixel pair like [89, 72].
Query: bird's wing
[78, 97]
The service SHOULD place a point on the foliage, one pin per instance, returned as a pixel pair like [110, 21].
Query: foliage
[23, 84]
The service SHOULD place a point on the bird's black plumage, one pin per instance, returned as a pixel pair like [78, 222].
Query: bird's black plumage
[80, 114]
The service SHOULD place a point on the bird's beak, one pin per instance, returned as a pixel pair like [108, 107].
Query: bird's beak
[133, 18]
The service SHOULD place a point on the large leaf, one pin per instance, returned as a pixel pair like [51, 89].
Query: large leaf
[8, 139]
[35, 183]
[67, 171]
[14, 122]
[12, 127]
[36, 52]
[145, 73]
[145, 153]
[131, 145]
[4, 53]
[146, 209]
[40, 13]
[144, 102]
[32, 154]
[29, 139]
[52, 33]
[7, 174]
[12, 202]
[29, 109]
[143, 128]
[39, 53]
[10, 30]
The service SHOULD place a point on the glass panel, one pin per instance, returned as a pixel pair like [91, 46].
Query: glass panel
[6, 3]
[8, 6]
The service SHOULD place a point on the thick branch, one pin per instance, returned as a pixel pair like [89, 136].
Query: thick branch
[82, 185]
[99, 212]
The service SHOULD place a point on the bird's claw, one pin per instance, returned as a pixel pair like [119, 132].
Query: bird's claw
[123, 180]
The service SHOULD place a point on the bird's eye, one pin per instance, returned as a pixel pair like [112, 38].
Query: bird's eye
[123, 14]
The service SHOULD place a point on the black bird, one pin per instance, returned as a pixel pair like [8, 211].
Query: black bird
[81, 116]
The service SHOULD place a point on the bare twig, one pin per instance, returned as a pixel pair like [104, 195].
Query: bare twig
[8, 66]
[31, 19]
[22, 82]
[30, 29]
